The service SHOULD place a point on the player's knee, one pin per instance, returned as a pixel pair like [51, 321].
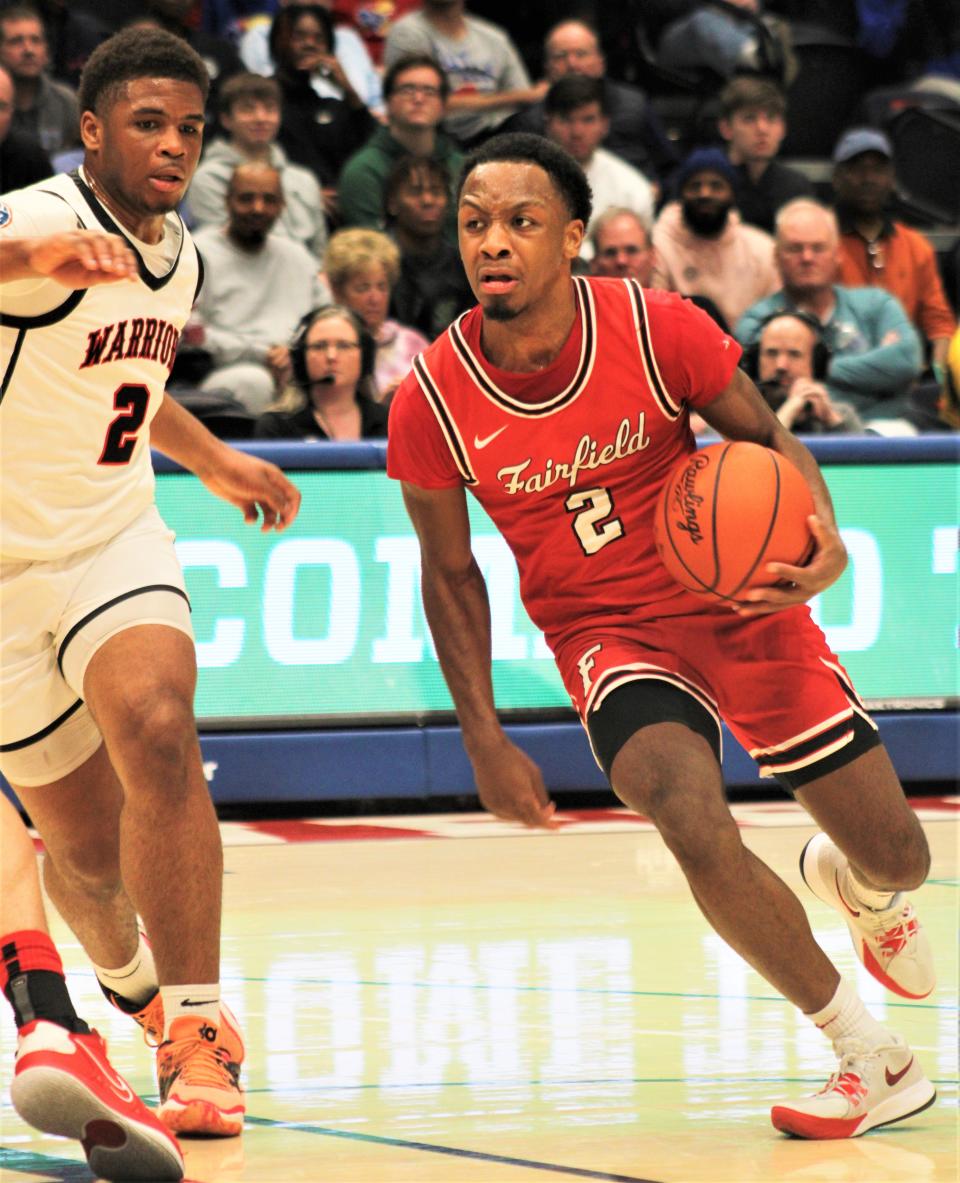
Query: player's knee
[91, 870]
[158, 727]
[697, 829]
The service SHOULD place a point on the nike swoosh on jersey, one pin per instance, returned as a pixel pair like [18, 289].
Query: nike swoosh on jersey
[893, 1077]
[480, 444]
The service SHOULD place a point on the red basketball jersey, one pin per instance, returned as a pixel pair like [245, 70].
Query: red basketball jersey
[568, 462]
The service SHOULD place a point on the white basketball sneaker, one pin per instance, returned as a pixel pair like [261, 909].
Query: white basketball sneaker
[872, 1086]
[890, 943]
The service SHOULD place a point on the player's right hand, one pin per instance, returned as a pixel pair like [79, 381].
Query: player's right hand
[82, 258]
[510, 786]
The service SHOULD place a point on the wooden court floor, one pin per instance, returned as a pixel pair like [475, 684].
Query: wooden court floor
[454, 1000]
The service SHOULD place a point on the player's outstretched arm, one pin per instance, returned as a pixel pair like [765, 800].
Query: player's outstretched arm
[741, 413]
[253, 485]
[458, 611]
[74, 258]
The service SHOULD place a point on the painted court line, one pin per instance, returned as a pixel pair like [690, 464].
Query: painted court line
[452, 1151]
[486, 987]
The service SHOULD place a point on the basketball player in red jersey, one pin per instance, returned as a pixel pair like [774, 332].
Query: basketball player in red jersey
[562, 403]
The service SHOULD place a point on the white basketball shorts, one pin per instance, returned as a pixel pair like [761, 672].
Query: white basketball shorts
[53, 617]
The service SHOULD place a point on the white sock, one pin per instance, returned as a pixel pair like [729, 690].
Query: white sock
[876, 901]
[136, 981]
[845, 1015]
[193, 1001]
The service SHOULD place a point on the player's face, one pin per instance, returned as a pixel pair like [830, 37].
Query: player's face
[807, 251]
[786, 351]
[367, 292]
[579, 131]
[623, 250]
[23, 47]
[755, 133]
[253, 123]
[144, 149]
[517, 238]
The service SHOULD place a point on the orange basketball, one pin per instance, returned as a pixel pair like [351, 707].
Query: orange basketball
[728, 510]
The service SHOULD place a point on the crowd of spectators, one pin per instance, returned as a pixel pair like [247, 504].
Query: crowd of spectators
[324, 204]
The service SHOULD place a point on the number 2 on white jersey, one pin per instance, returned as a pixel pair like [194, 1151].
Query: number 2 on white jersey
[132, 401]
[592, 507]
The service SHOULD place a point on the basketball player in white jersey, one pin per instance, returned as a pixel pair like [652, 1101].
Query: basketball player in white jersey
[97, 733]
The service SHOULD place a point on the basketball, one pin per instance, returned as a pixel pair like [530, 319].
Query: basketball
[728, 510]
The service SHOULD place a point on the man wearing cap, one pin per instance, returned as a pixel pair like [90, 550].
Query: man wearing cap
[703, 248]
[876, 251]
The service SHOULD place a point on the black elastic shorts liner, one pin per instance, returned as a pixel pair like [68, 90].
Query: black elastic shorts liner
[639, 704]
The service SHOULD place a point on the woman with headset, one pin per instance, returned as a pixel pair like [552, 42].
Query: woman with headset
[331, 359]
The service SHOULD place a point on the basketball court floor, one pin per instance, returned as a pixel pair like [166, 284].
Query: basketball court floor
[454, 1000]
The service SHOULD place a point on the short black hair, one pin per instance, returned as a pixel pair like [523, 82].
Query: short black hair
[523, 147]
[415, 61]
[138, 52]
[573, 91]
[409, 166]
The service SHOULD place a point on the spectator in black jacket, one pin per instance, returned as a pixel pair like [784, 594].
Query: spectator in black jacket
[753, 122]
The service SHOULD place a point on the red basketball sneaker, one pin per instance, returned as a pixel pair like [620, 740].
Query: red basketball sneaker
[891, 943]
[64, 1084]
[200, 1090]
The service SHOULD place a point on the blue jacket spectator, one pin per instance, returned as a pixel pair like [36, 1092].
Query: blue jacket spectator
[876, 351]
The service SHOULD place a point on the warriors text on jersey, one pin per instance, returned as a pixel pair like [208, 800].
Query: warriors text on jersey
[83, 374]
[568, 462]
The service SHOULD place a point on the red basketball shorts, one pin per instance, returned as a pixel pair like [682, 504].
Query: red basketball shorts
[773, 679]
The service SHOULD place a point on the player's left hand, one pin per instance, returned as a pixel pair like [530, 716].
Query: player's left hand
[257, 487]
[797, 585]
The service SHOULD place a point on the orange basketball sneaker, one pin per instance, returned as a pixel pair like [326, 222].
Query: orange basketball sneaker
[200, 1091]
[890, 943]
[64, 1084]
[150, 1019]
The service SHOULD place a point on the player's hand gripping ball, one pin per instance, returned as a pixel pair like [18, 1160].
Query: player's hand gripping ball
[728, 510]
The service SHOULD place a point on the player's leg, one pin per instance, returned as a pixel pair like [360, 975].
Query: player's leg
[63, 1083]
[871, 852]
[790, 703]
[123, 651]
[139, 685]
[671, 774]
[79, 818]
[670, 771]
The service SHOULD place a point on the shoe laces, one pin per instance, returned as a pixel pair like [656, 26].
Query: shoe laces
[893, 940]
[198, 1063]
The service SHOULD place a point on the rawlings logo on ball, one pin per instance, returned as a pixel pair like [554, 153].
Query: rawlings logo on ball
[687, 501]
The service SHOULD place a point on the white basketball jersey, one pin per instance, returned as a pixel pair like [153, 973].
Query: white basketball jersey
[82, 373]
